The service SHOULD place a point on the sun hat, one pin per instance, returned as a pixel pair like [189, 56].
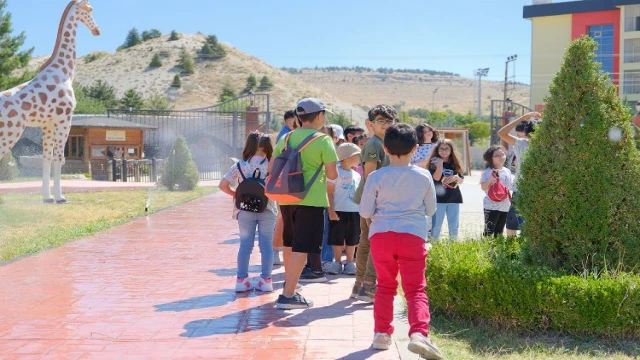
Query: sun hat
[347, 150]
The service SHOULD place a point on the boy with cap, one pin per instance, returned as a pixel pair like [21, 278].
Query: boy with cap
[303, 221]
[344, 219]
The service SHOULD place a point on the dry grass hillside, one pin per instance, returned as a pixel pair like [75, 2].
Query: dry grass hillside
[455, 93]
[345, 91]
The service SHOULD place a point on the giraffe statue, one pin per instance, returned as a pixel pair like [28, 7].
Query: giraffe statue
[47, 101]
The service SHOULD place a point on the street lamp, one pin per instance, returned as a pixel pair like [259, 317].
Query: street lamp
[433, 99]
[480, 73]
[506, 74]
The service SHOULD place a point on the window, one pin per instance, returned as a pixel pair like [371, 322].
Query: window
[132, 152]
[631, 82]
[75, 147]
[631, 51]
[603, 35]
[98, 152]
[632, 18]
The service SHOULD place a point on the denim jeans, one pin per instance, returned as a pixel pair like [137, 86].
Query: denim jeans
[327, 250]
[266, 223]
[452, 211]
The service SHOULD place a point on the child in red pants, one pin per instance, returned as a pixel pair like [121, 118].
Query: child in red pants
[398, 199]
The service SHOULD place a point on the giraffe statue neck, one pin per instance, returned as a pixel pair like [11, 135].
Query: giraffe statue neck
[63, 58]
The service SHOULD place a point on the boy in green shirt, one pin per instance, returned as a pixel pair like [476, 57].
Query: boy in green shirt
[373, 158]
[303, 222]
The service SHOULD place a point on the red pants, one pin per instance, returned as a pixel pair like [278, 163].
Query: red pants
[407, 253]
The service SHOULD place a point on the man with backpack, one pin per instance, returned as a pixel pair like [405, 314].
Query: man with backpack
[303, 160]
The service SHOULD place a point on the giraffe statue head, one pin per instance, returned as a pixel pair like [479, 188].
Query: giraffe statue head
[84, 14]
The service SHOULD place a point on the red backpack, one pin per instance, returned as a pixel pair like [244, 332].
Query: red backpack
[498, 192]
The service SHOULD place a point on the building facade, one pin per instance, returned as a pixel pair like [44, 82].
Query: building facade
[613, 24]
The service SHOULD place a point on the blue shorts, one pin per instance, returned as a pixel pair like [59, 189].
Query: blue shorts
[514, 220]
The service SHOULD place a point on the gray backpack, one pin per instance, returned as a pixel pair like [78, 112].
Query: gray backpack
[286, 181]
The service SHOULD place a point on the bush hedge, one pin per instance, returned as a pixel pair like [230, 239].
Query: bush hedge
[180, 170]
[8, 167]
[488, 281]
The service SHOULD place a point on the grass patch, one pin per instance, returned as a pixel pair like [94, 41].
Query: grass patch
[28, 226]
[464, 340]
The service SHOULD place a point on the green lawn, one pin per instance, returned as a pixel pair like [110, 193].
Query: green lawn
[27, 225]
[463, 340]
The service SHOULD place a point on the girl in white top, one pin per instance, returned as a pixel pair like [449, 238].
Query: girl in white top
[256, 155]
[495, 212]
[427, 139]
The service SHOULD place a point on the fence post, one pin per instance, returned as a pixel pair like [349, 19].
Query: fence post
[114, 169]
[124, 170]
[154, 170]
[234, 132]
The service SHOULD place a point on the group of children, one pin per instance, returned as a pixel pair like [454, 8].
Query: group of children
[356, 196]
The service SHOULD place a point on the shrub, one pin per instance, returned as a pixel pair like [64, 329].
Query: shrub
[186, 63]
[251, 84]
[132, 99]
[95, 56]
[486, 282]
[8, 167]
[177, 82]
[155, 61]
[580, 192]
[133, 39]
[174, 36]
[180, 170]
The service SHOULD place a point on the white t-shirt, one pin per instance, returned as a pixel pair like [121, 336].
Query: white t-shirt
[422, 153]
[507, 180]
[248, 168]
[519, 149]
[346, 185]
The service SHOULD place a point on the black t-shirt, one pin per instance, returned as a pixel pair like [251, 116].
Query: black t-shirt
[445, 195]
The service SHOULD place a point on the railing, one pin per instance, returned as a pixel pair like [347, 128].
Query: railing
[134, 170]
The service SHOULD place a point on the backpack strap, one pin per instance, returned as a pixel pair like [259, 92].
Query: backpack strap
[240, 170]
[308, 140]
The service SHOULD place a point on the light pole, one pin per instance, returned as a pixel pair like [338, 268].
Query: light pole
[506, 75]
[433, 99]
[480, 73]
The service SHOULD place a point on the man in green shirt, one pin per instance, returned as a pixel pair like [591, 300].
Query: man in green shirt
[304, 221]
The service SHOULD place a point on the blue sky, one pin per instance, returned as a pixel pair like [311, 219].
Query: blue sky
[457, 36]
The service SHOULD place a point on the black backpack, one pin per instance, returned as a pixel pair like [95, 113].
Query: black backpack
[250, 192]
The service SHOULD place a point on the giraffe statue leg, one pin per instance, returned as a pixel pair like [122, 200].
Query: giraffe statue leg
[48, 142]
[60, 137]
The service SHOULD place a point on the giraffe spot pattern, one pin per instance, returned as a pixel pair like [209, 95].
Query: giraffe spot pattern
[26, 106]
[59, 111]
[6, 93]
[61, 93]
[51, 87]
[37, 86]
[22, 96]
[43, 98]
[12, 113]
[56, 79]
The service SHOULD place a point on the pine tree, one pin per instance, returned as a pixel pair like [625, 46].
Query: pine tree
[174, 36]
[132, 99]
[252, 82]
[177, 82]
[227, 93]
[11, 58]
[155, 61]
[85, 104]
[146, 35]
[217, 51]
[104, 93]
[212, 40]
[265, 84]
[186, 63]
[133, 39]
[206, 51]
[180, 170]
[580, 186]
[155, 33]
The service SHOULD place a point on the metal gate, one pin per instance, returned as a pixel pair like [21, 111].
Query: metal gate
[215, 134]
[503, 112]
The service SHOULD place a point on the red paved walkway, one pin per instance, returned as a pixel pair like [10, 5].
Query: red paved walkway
[160, 288]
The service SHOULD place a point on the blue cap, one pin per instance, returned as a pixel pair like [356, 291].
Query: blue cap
[310, 106]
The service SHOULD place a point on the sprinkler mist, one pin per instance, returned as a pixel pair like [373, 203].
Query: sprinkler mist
[146, 205]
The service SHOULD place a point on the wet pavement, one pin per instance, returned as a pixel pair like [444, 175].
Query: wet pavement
[161, 287]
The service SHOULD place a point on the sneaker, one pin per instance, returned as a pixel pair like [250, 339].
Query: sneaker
[276, 258]
[310, 276]
[335, 268]
[297, 301]
[367, 293]
[355, 290]
[350, 268]
[423, 346]
[326, 266]
[381, 341]
[265, 285]
[243, 285]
